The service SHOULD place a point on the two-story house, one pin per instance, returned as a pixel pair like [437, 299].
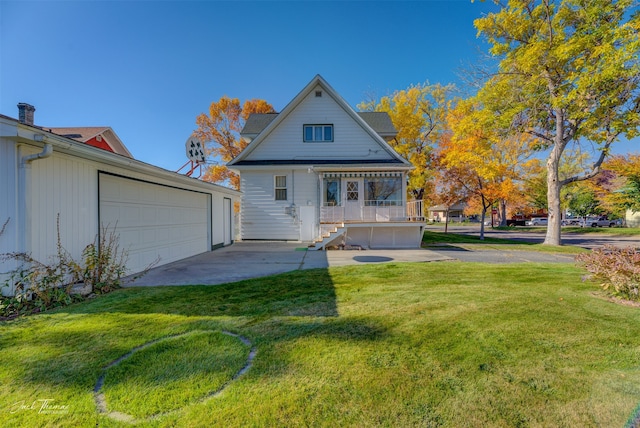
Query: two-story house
[321, 172]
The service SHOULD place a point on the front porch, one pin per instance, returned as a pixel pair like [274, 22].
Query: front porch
[374, 224]
[373, 211]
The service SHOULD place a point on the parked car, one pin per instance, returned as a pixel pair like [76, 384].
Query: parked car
[598, 222]
[572, 221]
[537, 221]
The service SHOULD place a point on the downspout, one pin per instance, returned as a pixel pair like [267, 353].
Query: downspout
[294, 213]
[24, 192]
[47, 150]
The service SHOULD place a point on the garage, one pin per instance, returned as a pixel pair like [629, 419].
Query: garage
[154, 220]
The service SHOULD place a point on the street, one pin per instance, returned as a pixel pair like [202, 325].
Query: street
[585, 240]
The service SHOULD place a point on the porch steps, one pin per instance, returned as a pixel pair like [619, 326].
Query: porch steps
[328, 236]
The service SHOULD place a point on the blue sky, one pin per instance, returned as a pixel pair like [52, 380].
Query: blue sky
[148, 68]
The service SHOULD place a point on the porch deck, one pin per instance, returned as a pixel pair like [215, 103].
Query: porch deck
[393, 226]
[373, 212]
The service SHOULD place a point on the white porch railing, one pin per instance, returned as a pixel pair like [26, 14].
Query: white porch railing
[415, 210]
[372, 212]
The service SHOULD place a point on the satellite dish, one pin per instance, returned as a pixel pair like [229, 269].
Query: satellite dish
[195, 151]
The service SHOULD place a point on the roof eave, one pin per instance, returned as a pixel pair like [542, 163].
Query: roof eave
[26, 134]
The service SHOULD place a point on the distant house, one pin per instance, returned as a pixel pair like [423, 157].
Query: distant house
[156, 213]
[320, 172]
[102, 137]
[632, 219]
[439, 213]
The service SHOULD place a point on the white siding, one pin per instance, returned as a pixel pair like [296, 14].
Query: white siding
[67, 185]
[265, 218]
[8, 207]
[351, 141]
[633, 219]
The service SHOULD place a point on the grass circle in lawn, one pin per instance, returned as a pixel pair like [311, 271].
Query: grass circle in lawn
[167, 374]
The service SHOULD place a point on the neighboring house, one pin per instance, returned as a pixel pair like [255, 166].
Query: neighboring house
[632, 219]
[320, 171]
[156, 213]
[102, 137]
[439, 213]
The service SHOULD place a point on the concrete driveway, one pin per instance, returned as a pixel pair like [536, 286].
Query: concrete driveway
[244, 260]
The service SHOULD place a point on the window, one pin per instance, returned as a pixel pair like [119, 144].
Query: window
[352, 191]
[318, 133]
[332, 192]
[383, 192]
[281, 187]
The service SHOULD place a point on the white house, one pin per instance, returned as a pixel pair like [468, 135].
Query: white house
[632, 218]
[439, 212]
[320, 171]
[157, 213]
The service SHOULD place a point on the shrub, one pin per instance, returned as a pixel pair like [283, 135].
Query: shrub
[40, 286]
[617, 269]
[103, 263]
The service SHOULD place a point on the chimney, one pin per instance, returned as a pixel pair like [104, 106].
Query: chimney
[25, 113]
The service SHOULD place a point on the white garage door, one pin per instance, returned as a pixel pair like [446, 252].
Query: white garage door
[154, 220]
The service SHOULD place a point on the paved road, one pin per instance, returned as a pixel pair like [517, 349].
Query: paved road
[502, 256]
[585, 240]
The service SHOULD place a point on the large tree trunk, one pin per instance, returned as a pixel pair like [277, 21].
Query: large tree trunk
[554, 185]
[553, 204]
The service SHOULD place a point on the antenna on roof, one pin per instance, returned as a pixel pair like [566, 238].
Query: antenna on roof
[195, 154]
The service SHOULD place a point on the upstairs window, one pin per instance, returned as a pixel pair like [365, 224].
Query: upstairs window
[318, 133]
[281, 187]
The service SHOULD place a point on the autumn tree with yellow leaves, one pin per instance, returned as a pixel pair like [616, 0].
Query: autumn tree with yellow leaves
[490, 166]
[569, 71]
[219, 131]
[419, 115]
[621, 191]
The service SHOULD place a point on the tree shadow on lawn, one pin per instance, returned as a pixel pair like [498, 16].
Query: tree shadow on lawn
[297, 293]
[71, 351]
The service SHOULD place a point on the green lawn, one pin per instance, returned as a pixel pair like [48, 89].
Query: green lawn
[432, 238]
[431, 344]
[622, 231]
[625, 231]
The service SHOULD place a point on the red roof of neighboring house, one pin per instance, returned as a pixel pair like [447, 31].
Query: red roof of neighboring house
[98, 136]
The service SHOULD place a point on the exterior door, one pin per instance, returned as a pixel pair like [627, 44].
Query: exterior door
[227, 224]
[353, 200]
[307, 223]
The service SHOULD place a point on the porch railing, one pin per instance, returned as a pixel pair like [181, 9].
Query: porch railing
[373, 211]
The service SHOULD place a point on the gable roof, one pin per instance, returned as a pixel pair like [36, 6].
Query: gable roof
[256, 123]
[86, 133]
[377, 120]
[269, 122]
[380, 122]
